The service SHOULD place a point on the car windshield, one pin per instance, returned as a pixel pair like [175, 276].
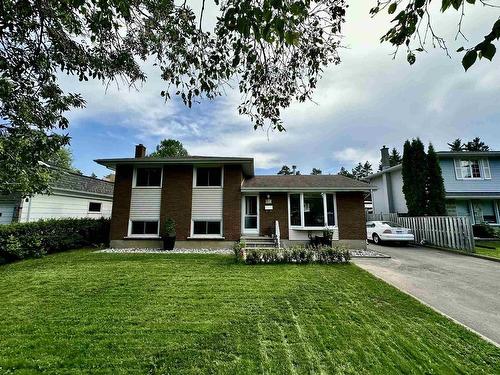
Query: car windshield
[391, 224]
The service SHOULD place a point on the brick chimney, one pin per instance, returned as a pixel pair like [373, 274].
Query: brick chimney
[140, 151]
[384, 152]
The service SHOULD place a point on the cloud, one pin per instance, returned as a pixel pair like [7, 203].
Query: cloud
[365, 102]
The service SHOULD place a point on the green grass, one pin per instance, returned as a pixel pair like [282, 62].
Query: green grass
[85, 312]
[495, 253]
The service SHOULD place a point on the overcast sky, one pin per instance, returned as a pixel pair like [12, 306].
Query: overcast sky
[367, 101]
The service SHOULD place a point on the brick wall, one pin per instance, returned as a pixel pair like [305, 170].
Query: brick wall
[232, 202]
[176, 198]
[279, 212]
[121, 202]
[351, 216]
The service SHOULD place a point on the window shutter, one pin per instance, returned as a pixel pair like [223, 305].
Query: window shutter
[458, 169]
[486, 169]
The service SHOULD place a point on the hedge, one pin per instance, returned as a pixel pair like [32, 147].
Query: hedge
[28, 240]
[297, 254]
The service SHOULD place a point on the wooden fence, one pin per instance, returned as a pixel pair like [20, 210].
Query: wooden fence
[453, 232]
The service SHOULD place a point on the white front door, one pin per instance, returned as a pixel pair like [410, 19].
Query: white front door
[250, 212]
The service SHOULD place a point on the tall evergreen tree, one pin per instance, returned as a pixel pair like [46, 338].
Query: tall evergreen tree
[345, 172]
[456, 145]
[476, 145]
[414, 177]
[435, 185]
[394, 157]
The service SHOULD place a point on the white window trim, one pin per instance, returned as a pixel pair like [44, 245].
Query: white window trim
[134, 179]
[195, 169]
[302, 219]
[483, 165]
[206, 236]
[129, 232]
[94, 212]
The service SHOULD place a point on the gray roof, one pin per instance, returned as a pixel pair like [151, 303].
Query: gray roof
[467, 153]
[303, 182]
[246, 163]
[468, 194]
[67, 180]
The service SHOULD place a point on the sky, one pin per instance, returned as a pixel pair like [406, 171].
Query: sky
[367, 101]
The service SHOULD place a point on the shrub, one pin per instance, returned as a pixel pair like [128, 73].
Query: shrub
[299, 255]
[484, 230]
[238, 250]
[29, 240]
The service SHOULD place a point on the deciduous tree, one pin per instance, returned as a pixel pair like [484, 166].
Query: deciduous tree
[169, 148]
[275, 52]
[413, 29]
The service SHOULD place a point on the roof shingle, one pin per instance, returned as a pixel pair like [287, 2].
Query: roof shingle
[305, 182]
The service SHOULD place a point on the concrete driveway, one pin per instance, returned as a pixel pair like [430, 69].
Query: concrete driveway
[466, 289]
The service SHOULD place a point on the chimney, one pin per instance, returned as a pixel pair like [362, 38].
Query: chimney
[140, 151]
[384, 151]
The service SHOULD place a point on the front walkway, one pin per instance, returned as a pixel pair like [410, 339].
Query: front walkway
[466, 289]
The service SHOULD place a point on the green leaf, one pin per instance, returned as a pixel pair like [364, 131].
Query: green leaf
[460, 49]
[471, 1]
[392, 8]
[411, 58]
[469, 59]
[445, 5]
[419, 3]
[488, 51]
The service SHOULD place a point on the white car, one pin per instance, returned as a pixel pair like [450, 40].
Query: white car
[378, 231]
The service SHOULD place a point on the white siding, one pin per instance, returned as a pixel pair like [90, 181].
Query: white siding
[399, 201]
[207, 203]
[62, 206]
[145, 203]
[7, 206]
[379, 196]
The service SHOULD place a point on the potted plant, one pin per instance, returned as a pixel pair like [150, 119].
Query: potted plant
[169, 236]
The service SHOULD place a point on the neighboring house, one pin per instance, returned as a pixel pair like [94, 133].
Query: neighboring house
[217, 200]
[471, 181]
[73, 195]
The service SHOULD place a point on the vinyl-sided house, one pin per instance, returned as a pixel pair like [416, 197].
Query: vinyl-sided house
[471, 181]
[217, 200]
[73, 196]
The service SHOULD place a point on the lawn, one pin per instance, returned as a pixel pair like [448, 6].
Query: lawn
[489, 252]
[85, 312]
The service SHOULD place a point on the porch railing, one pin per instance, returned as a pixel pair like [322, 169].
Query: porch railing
[277, 234]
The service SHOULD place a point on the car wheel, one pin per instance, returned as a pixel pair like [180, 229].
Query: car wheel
[376, 239]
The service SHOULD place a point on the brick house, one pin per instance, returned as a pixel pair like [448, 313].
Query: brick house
[215, 201]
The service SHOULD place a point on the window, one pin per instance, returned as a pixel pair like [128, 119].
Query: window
[315, 210]
[484, 211]
[209, 176]
[472, 169]
[94, 207]
[144, 227]
[330, 210]
[372, 225]
[148, 177]
[314, 214]
[295, 216]
[251, 212]
[206, 228]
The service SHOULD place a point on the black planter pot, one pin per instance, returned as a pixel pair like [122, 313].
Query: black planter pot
[168, 243]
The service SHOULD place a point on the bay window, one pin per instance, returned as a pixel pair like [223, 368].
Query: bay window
[312, 210]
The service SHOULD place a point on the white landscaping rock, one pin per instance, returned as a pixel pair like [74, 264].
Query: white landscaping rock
[161, 251]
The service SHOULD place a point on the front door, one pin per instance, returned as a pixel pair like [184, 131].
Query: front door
[250, 214]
